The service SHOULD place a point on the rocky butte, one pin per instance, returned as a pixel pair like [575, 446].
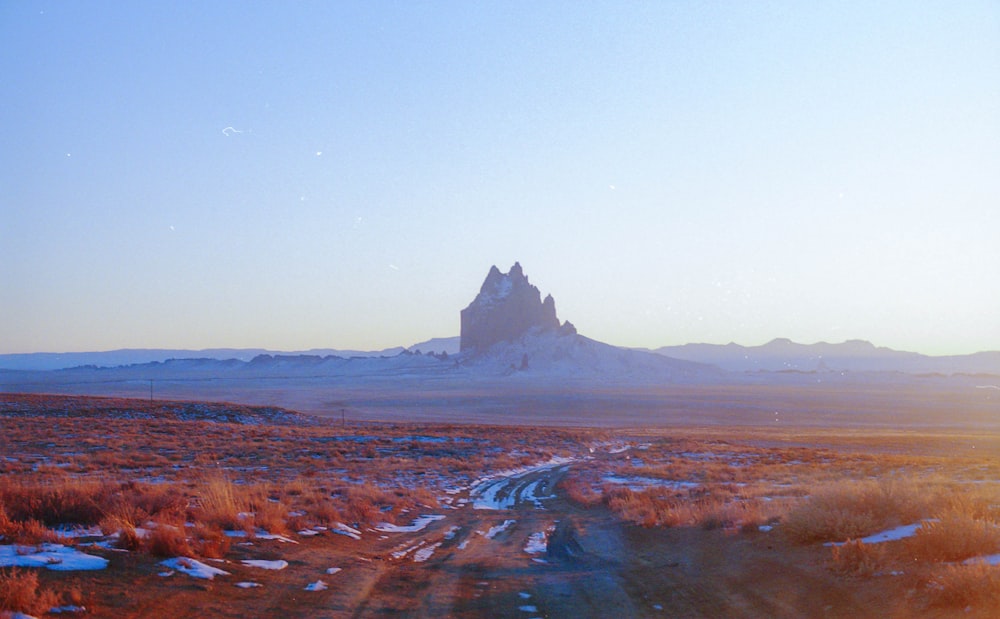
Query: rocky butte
[507, 307]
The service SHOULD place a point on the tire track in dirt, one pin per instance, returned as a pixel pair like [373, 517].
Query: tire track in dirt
[594, 565]
[472, 547]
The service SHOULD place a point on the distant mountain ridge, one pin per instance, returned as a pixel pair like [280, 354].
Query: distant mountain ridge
[781, 354]
[509, 329]
[135, 356]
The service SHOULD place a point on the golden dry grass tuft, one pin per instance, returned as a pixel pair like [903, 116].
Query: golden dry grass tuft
[851, 509]
[20, 592]
[168, 541]
[857, 558]
[964, 586]
[953, 537]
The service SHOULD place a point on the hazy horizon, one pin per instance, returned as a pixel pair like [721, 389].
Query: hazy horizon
[340, 175]
[417, 344]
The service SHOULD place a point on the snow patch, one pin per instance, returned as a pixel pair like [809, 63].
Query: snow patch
[342, 529]
[987, 559]
[537, 543]
[497, 530]
[265, 565]
[486, 491]
[319, 585]
[890, 535]
[419, 524]
[425, 553]
[55, 557]
[194, 568]
[641, 483]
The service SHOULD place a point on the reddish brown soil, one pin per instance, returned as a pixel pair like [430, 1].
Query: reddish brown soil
[595, 566]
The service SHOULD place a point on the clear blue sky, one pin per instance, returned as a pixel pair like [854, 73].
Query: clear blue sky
[342, 174]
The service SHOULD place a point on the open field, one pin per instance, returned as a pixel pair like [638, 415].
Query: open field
[795, 399]
[311, 517]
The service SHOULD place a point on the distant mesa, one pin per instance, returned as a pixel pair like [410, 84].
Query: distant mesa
[506, 308]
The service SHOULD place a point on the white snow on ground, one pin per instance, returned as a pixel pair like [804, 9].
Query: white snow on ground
[536, 543]
[641, 483]
[78, 531]
[530, 494]
[987, 559]
[332, 570]
[485, 490]
[891, 535]
[425, 553]
[450, 533]
[399, 554]
[497, 530]
[463, 545]
[524, 595]
[308, 532]
[418, 525]
[51, 556]
[194, 568]
[8, 614]
[280, 538]
[248, 585]
[319, 585]
[342, 529]
[266, 565]
[261, 535]
[528, 609]
[69, 608]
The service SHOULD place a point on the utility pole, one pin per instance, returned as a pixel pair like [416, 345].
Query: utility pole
[343, 417]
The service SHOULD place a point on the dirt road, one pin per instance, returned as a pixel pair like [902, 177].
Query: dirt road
[518, 550]
[509, 546]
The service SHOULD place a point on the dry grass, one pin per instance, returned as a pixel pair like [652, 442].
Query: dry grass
[953, 537]
[848, 510]
[126, 465]
[189, 480]
[20, 592]
[964, 586]
[857, 558]
[167, 541]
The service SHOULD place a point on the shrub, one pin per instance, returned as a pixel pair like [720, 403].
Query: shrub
[962, 586]
[848, 510]
[579, 492]
[168, 541]
[210, 543]
[62, 501]
[953, 537]
[857, 558]
[19, 592]
[221, 503]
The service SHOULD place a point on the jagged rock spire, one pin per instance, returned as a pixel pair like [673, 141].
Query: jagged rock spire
[506, 307]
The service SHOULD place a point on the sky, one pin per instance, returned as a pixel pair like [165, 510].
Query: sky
[296, 175]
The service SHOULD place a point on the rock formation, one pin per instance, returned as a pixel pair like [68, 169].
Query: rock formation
[506, 307]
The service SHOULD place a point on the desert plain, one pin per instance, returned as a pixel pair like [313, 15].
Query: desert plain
[795, 498]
